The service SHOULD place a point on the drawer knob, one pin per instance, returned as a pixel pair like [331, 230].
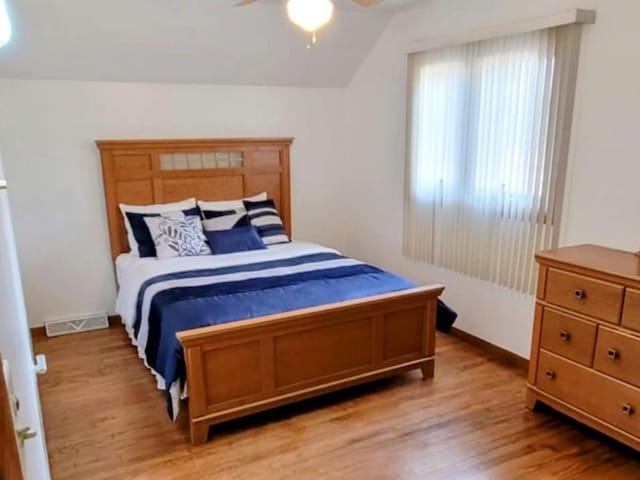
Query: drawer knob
[550, 374]
[612, 353]
[579, 294]
[627, 409]
[564, 335]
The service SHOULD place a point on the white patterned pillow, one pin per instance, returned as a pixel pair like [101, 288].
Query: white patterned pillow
[178, 237]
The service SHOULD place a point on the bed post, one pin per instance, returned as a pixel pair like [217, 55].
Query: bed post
[199, 433]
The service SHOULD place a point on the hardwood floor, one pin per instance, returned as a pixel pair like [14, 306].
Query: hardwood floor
[104, 419]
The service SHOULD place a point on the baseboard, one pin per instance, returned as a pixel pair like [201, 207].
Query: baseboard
[496, 352]
[41, 332]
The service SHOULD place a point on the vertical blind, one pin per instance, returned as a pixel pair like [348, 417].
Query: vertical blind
[488, 137]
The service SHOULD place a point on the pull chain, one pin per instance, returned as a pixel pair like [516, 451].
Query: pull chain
[314, 40]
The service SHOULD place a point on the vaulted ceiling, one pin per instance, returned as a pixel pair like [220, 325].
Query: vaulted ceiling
[187, 41]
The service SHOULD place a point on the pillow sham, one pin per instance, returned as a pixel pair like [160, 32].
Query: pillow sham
[264, 216]
[140, 230]
[239, 239]
[226, 221]
[151, 209]
[209, 209]
[177, 237]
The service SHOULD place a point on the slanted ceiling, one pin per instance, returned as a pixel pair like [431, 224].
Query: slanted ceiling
[186, 41]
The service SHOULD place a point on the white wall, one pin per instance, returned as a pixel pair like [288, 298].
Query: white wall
[47, 133]
[348, 159]
[603, 198]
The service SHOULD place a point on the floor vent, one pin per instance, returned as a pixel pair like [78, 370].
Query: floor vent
[77, 324]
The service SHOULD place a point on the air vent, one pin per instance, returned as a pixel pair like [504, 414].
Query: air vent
[65, 326]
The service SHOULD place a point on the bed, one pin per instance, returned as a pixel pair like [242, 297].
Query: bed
[249, 331]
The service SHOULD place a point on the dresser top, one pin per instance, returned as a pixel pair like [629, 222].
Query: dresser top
[595, 258]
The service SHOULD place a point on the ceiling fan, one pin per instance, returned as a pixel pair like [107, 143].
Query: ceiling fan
[310, 15]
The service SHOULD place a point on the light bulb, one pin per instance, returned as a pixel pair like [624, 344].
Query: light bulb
[310, 15]
[5, 24]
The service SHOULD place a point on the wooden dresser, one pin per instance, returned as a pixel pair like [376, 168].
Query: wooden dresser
[585, 352]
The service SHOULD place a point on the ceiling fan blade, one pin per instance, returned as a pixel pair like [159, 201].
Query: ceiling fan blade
[242, 3]
[367, 3]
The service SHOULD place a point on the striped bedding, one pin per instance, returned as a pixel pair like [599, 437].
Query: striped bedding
[283, 278]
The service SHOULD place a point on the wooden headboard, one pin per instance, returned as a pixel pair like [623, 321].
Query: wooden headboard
[143, 172]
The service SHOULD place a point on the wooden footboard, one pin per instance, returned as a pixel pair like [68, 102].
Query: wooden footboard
[244, 367]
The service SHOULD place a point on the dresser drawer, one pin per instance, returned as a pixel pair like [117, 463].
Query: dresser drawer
[605, 398]
[601, 300]
[631, 311]
[568, 336]
[618, 355]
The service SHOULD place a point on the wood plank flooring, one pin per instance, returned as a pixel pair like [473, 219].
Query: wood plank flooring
[104, 419]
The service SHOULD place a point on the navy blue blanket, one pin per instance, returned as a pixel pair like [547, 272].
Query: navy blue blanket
[198, 298]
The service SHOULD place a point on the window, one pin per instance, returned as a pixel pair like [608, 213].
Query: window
[488, 137]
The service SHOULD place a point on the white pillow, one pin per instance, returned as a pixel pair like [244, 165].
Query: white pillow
[157, 208]
[178, 237]
[236, 205]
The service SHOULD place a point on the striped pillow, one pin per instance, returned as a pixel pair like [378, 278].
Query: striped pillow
[264, 216]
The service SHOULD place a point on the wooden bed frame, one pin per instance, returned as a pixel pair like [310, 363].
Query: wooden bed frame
[244, 367]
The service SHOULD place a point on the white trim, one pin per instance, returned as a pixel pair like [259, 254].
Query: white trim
[549, 21]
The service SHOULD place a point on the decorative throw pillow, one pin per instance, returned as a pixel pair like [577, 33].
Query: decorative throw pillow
[209, 209]
[155, 209]
[240, 239]
[140, 231]
[264, 216]
[177, 237]
[226, 221]
[207, 214]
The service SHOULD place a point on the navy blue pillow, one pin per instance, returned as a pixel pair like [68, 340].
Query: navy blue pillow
[146, 247]
[239, 239]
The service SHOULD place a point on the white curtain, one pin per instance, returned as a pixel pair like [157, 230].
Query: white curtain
[489, 127]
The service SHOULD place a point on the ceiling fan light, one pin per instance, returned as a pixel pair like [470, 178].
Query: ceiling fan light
[310, 15]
